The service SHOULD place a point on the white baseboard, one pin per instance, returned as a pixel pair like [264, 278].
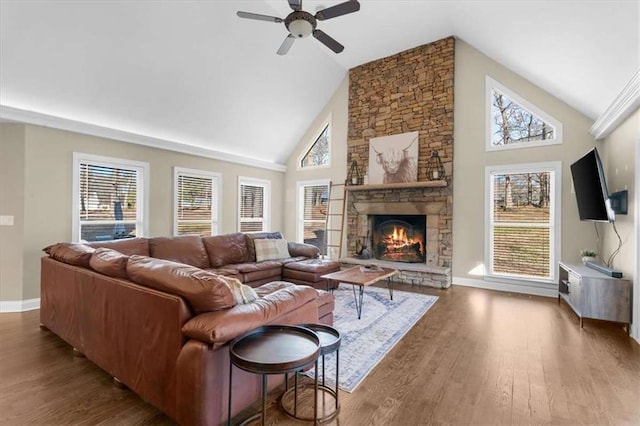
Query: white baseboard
[523, 288]
[19, 305]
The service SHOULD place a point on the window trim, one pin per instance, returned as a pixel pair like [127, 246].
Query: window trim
[555, 219]
[300, 185]
[491, 84]
[142, 188]
[266, 184]
[326, 123]
[216, 183]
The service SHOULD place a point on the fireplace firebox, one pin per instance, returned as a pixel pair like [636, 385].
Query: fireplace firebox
[398, 238]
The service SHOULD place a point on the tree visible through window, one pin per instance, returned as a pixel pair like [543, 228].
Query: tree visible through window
[196, 195]
[522, 223]
[254, 205]
[515, 122]
[315, 200]
[318, 154]
[108, 204]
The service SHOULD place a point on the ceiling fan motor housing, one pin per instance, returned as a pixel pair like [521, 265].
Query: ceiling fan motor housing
[300, 23]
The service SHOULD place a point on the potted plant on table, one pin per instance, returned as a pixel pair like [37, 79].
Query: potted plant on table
[588, 255]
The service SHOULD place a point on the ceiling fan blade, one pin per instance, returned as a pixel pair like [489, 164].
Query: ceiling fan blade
[338, 10]
[286, 45]
[295, 4]
[258, 17]
[328, 41]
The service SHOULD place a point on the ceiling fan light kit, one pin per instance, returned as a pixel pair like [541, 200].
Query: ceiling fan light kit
[301, 24]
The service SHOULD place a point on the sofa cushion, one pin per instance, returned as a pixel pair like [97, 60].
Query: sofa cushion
[226, 249]
[271, 249]
[302, 249]
[275, 300]
[256, 273]
[73, 254]
[203, 290]
[109, 262]
[128, 246]
[258, 236]
[187, 249]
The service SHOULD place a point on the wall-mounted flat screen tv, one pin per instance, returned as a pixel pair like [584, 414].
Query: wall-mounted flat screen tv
[591, 188]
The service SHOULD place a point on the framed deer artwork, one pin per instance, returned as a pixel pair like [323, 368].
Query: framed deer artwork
[393, 159]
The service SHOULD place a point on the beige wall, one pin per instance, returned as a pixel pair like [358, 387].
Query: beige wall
[47, 189]
[11, 204]
[337, 111]
[470, 158]
[619, 150]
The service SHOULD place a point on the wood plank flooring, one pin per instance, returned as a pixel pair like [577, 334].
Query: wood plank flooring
[477, 357]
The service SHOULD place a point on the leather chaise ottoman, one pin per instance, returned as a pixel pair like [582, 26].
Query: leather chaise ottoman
[310, 271]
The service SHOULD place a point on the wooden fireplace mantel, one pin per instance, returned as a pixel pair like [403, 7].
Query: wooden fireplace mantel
[424, 184]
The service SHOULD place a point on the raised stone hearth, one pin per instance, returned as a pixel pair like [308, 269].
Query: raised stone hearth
[409, 273]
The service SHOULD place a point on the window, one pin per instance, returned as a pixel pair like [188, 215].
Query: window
[513, 122]
[254, 200]
[108, 198]
[197, 202]
[523, 211]
[313, 201]
[318, 154]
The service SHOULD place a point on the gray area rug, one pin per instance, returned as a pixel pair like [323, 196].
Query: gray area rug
[367, 340]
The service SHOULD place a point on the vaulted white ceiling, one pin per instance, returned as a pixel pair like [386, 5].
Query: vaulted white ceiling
[193, 73]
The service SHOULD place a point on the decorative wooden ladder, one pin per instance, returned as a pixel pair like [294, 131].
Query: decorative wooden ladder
[336, 207]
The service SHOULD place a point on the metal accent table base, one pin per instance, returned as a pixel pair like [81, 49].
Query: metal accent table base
[330, 340]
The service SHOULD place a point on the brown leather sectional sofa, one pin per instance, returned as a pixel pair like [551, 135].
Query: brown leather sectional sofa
[158, 313]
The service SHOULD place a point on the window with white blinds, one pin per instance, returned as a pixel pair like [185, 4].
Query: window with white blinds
[254, 205]
[108, 198]
[313, 201]
[196, 202]
[523, 213]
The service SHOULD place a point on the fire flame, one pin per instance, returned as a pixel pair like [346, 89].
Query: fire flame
[398, 238]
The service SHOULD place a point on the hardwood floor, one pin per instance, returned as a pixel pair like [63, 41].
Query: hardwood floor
[476, 357]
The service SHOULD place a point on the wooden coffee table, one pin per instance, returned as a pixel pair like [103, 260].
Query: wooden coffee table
[358, 276]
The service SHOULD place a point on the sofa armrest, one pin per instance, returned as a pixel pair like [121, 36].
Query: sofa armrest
[302, 249]
[219, 327]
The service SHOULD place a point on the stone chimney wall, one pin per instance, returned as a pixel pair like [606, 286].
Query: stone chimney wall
[406, 92]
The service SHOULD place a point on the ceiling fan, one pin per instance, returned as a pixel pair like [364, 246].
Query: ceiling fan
[301, 24]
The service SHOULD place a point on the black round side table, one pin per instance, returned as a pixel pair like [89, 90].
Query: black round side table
[274, 349]
[329, 342]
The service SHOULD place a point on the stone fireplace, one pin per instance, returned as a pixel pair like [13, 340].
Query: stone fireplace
[407, 92]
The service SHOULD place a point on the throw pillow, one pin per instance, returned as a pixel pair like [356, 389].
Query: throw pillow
[241, 292]
[73, 254]
[269, 249]
[109, 262]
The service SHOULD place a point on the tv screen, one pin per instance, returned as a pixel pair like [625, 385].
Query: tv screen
[591, 188]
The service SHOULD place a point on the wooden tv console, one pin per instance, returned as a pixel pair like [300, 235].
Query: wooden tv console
[592, 294]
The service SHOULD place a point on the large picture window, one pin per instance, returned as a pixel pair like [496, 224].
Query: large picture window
[254, 205]
[523, 235]
[197, 202]
[313, 201]
[108, 198]
[513, 122]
